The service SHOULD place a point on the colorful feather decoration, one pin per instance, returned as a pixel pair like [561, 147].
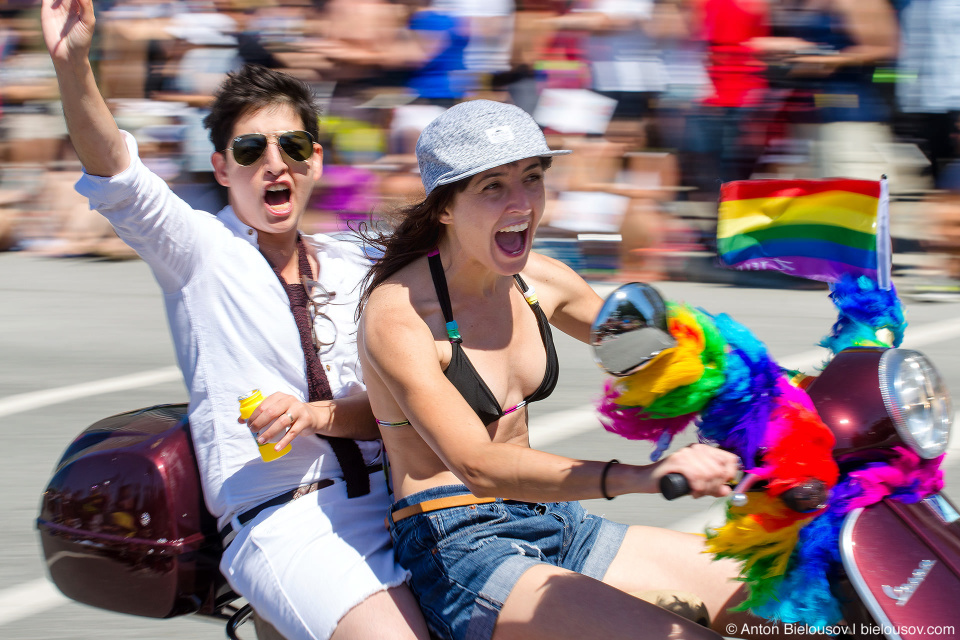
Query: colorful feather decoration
[661, 399]
[721, 378]
[798, 446]
[804, 594]
[682, 379]
[867, 315]
[762, 535]
[736, 418]
[906, 477]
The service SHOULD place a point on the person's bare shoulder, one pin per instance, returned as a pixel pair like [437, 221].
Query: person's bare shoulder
[401, 304]
[568, 301]
[411, 286]
[549, 275]
[543, 268]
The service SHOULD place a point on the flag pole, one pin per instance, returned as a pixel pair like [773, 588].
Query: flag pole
[884, 244]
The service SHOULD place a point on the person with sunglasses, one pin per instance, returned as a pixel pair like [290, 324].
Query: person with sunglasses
[252, 303]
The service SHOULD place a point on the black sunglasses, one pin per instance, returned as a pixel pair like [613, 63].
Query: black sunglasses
[248, 148]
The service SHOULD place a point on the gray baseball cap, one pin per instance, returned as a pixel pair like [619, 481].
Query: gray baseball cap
[474, 136]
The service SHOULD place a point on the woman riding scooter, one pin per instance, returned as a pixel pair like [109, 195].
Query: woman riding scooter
[454, 343]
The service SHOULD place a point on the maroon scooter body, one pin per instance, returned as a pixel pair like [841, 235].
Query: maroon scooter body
[847, 397]
[122, 521]
[901, 562]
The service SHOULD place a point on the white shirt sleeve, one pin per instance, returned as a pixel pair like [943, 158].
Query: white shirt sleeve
[163, 229]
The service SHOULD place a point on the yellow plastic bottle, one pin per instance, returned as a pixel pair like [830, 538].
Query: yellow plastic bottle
[248, 403]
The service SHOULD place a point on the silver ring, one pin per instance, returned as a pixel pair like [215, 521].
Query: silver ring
[290, 418]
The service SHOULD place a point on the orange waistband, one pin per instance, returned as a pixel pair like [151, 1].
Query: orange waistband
[437, 504]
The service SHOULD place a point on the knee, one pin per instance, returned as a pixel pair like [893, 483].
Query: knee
[387, 615]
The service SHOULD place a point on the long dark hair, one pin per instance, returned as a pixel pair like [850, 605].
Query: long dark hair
[417, 233]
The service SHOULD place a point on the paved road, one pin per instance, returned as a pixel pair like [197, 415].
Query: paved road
[75, 335]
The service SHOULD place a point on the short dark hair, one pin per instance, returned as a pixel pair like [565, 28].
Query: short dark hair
[252, 88]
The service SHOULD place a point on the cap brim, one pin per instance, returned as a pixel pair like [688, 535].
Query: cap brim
[498, 163]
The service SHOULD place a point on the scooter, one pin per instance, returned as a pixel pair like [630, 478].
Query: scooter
[123, 525]
[898, 574]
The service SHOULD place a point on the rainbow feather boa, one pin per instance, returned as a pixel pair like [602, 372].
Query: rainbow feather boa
[721, 378]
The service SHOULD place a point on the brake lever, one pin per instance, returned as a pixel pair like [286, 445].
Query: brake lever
[806, 497]
[739, 496]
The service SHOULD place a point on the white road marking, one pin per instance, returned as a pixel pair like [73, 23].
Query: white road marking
[27, 599]
[712, 516]
[551, 428]
[36, 399]
[919, 336]
[30, 598]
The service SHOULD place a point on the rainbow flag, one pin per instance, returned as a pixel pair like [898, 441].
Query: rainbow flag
[815, 229]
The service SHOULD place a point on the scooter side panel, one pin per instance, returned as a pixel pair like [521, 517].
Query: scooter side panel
[903, 565]
[122, 521]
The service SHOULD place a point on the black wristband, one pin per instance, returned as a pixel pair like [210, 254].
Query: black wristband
[603, 479]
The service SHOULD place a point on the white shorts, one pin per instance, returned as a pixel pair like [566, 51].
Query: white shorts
[305, 564]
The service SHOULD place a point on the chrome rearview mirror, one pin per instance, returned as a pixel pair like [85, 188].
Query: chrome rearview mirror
[630, 330]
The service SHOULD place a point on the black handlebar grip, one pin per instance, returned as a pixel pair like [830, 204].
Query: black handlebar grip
[674, 485]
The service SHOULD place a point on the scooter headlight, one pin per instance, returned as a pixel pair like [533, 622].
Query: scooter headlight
[917, 400]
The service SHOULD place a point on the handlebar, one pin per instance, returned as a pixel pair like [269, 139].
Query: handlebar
[804, 498]
[674, 485]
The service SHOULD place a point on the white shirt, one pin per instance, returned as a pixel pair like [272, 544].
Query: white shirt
[233, 330]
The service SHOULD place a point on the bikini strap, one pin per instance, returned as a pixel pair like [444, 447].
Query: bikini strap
[553, 367]
[440, 284]
[529, 293]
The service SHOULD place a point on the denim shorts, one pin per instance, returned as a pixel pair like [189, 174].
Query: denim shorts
[466, 560]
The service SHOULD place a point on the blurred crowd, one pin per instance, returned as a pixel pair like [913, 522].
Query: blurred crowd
[662, 100]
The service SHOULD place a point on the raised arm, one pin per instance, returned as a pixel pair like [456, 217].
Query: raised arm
[68, 31]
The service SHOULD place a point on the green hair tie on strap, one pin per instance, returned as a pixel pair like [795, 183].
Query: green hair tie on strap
[453, 331]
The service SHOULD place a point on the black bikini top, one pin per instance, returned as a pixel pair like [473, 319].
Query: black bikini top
[461, 371]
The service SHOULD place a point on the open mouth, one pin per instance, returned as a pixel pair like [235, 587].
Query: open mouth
[277, 199]
[512, 240]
